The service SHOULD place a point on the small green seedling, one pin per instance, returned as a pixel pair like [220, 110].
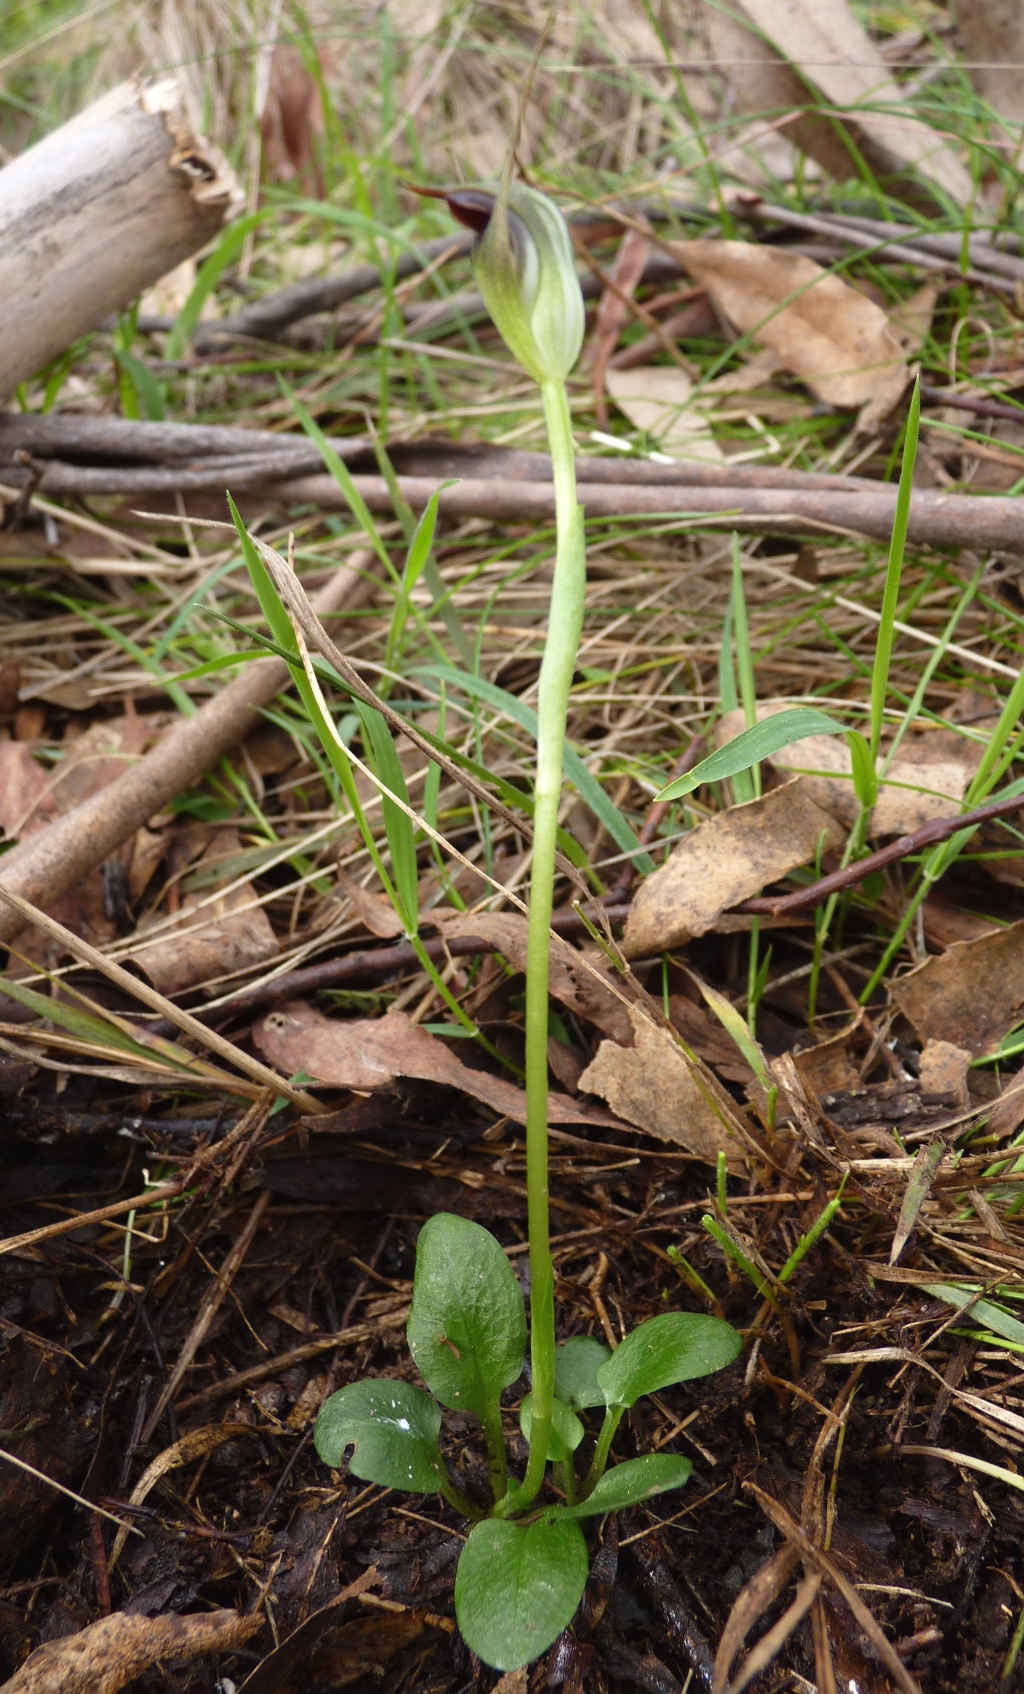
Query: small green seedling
[523, 1568]
[524, 1564]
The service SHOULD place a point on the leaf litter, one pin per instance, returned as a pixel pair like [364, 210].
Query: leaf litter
[267, 1270]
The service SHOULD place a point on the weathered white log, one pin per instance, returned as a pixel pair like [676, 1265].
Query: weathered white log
[99, 210]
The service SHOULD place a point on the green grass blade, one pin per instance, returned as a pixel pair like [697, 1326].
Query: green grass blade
[586, 785]
[752, 745]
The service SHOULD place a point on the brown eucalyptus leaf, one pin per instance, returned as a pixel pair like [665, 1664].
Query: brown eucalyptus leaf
[583, 985]
[654, 1085]
[971, 995]
[656, 399]
[375, 912]
[369, 1053]
[917, 788]
[778, 55]
[213, 934]
[828, 334]
[729, 858]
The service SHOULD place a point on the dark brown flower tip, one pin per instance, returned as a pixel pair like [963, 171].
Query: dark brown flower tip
[469, 206]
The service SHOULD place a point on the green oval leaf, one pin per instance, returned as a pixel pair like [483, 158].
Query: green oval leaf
[393, 1428]
[577, 1362]
[565, 1434]
[467, 1325]
[518, 1586]
[632, 1481]
[673, 1347]
[758, 742]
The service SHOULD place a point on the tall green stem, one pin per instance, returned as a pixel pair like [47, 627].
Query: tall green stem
[565, 622]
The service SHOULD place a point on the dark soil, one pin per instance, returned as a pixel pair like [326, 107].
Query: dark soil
[252, 1520]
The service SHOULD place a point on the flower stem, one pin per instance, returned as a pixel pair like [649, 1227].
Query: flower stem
[565, 622]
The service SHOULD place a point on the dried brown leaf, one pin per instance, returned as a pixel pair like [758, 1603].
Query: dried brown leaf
[827, 1068]
[836, 341]
[726, 859]
[213, 934]
[375, 912]
[971, 995]
[111, 1653]
[368, 1053]
[656, 399]
[583, 985]
[834, 55]
[944, 1068]
[654, 1085]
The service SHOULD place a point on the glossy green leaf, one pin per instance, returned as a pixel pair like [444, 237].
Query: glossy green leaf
[758, 742]
[467, 1325]
[565, 1434]
[673, 1347]
[392, 1428]
[577, 1363]
[518, 1586]
[632, 1481]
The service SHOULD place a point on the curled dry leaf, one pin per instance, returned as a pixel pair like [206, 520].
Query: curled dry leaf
[656, 398]
[654, 1085]
[582, 985]
[827, 1068]
[368, 1053]
[918, 787]
[836, 341]
[972, 995]
[111, 1653]
[376, 913]
[728, 858]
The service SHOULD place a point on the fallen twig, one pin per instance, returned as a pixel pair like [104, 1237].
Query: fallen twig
[929, 834]
[936, 519]
[56, 858]
[379, 964]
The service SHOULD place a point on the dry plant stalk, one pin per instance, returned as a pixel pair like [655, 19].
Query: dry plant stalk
[95, 213]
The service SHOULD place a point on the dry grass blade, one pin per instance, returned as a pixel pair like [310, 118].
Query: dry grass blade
[189, 1025]
[82, 1220]
[755, 1598]
[211, 1303]
[786, 1526]
[195, 1445]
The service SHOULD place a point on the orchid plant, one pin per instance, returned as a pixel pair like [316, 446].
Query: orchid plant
[524, 1564]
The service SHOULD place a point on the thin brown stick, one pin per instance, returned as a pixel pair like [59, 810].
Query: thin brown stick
[209, 1307]
[378, 964]
[939, 829]
[968, 403]
[255, 1069]
[55, 859]
[226, 1385]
